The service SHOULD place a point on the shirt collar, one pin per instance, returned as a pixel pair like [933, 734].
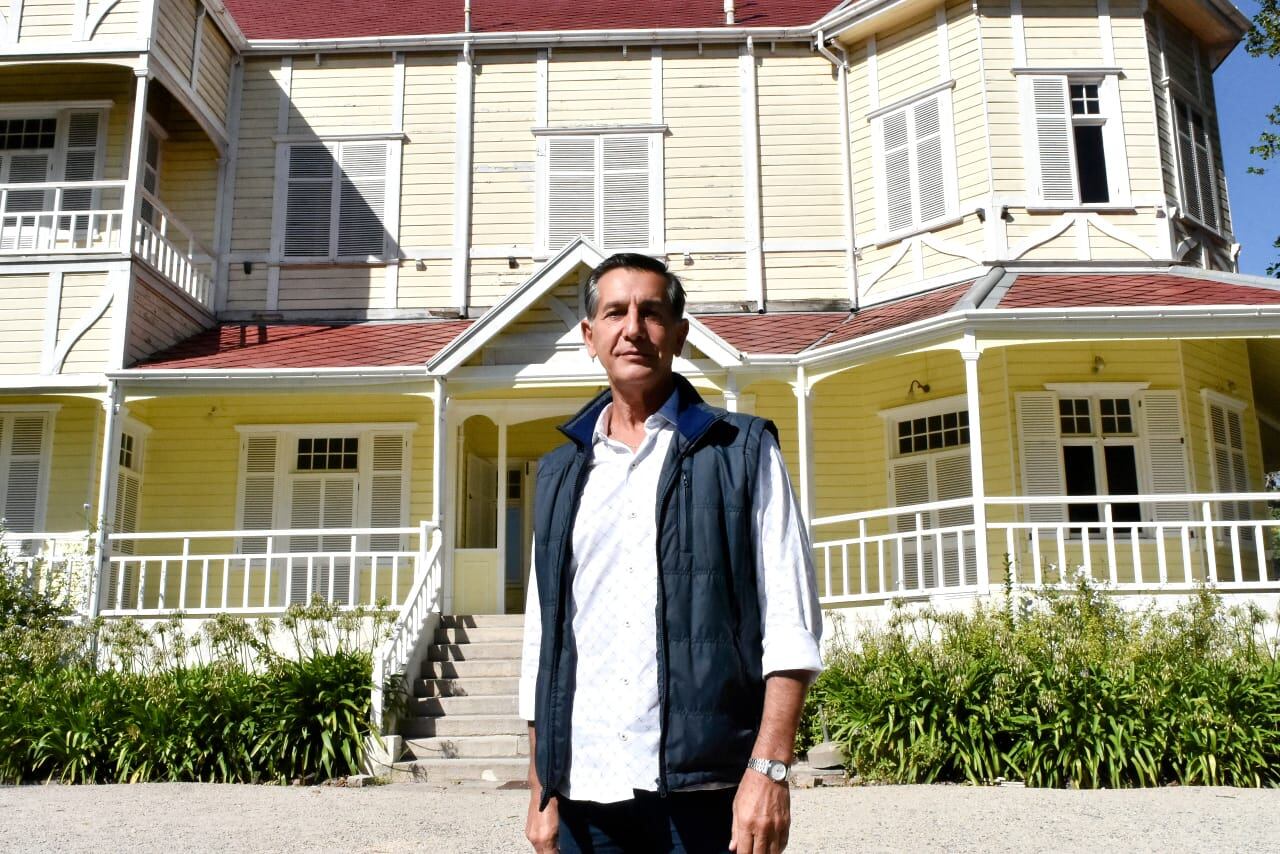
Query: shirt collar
[667, 415]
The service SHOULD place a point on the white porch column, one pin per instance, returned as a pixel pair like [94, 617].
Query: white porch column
[137, 153]
[973, 403]
[804, 429]
[439, 455]
[502, 517]
[731, 393]
[112, 411]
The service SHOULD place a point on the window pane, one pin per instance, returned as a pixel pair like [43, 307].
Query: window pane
[1091, 164]
[1084, 99]
[1074, 414]
[933, 432]
[1077, 463]
[1121, 466]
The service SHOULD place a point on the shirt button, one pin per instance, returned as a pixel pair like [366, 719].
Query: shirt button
[622, 735]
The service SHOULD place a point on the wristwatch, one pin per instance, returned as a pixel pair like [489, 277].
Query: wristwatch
[771, 768]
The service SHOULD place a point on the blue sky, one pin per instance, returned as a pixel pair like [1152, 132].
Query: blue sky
[1247, 88]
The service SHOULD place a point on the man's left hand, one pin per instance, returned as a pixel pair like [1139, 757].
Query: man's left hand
[761, 815]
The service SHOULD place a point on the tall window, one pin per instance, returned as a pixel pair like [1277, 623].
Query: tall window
[35, 149]
[335, 200]
[1106, 440]
[1196, 162]
[915, 164]
[606, 187]
[24, 446]
[930, 448]
[1074, 141]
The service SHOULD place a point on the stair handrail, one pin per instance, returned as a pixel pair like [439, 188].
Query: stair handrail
[423, 600]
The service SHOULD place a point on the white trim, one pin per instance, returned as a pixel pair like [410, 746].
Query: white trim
[52, 312]
[45, 408]
[944, 47]
[751, 213]
[1106, 70]
[599, 130]
[345, 427]
[286, 96]
[50, 109]
[1098, 389]
[1019, 33]
[1209, 395]
[656, 115]
[542, 96]
[462, 184]
[924, 408]
[15, 21]
[373, 136]
[86, 322]
[392, 198]
[225, 206]
[910, 99]
[1105, 33]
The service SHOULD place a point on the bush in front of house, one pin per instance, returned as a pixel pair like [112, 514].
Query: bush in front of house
[1061, 688]
[114, 702]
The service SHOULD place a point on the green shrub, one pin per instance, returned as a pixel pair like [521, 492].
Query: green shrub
[1062, 689]
[114, 702]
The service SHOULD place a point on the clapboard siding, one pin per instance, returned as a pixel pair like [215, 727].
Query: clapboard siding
[22, 322]
[1223, 366]
[175, 34]
[213, 78]
[256, 161]
[90, 352]
[157, 321]
[907, 59]
[189, 176]
[594, 87]
[503, 161]
[346, 94]
[46, 21]
[1062, 32]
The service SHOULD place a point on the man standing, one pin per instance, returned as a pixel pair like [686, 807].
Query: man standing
[673, 626]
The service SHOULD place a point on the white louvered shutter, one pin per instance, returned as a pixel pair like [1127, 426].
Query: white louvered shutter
[257, 508]
[124, 521]
[362, 204]
[80, 164]
[1166, 452]
[911, 486]
[21, 232]
[386, 494]
[1051, 116]
[306, 496]
[322, 502]
[571, 190]
[953, 480]
[931, 196]
[895, 148]
[309, 202]
[625, 169]
[24, 447]
[1226, 440]
[1041, 452]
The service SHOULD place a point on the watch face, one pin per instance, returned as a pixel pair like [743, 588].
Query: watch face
[777, 771]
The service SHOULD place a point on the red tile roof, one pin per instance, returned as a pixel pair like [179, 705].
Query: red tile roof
[794, 333]
[1080, 290]
[267, 346]
[321, 19]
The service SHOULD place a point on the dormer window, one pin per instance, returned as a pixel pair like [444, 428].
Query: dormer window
[1074, 151]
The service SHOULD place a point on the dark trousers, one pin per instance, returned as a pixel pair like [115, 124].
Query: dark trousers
[693, 822]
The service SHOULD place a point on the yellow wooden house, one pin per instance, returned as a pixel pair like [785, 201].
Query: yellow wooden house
[291, 289]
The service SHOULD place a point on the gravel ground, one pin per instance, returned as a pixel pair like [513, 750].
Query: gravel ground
[403, 817]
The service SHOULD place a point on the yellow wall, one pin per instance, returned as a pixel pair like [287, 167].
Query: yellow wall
[92, 351]
[341, 94]
[175, 28]
[213, 79]
[189, 176]
[426, 211]
[598, 86]
[47, 20]
[22, 323]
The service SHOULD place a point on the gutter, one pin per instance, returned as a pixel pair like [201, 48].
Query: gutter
[146, 376]
[542, 38]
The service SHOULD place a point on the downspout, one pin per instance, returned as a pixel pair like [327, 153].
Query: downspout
[846, 164]
[728, 13]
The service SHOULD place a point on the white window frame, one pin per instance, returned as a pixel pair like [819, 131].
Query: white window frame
[655, 134]
[946, 125]
[1111, 118]
[286, 470]
[391, 198]
[1098, 442]
[1211, 398]
[49, 412]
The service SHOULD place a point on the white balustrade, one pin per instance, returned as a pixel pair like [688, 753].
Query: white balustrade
[396, 654]
[58, 565]
[261, 572]
[163, 242]
[1129, 543]
[61, 217]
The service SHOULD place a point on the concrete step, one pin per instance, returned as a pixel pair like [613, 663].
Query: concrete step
[487, 634]
[451, 725]
[473, 651]
[467, 687]
[481, 704]
[498, 771]
[469, 746]
[455, 621]
[484, 667]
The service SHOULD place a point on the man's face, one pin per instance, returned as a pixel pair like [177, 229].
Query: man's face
[635, 332]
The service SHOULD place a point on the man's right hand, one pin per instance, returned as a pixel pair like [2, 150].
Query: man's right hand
[542, 829]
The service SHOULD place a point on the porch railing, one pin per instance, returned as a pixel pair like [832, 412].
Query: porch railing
[1131, 543]
[173, 251]
[262, 572]
[397, 653]
[57, 565]
[61, 217]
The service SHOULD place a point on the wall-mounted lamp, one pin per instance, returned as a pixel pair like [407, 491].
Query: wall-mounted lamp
[247, 266]
[1099, 364]
[1231, 386]
[512, 263]
[688, 259]
[420, 264]
[916, 384]
[1004, 213]
[982, 214]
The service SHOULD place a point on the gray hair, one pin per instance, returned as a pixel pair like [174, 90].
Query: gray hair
[634, 261]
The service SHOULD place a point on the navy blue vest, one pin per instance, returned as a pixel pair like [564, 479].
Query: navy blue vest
[709, 644]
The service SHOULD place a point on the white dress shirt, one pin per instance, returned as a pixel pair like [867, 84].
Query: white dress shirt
[616, 724]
